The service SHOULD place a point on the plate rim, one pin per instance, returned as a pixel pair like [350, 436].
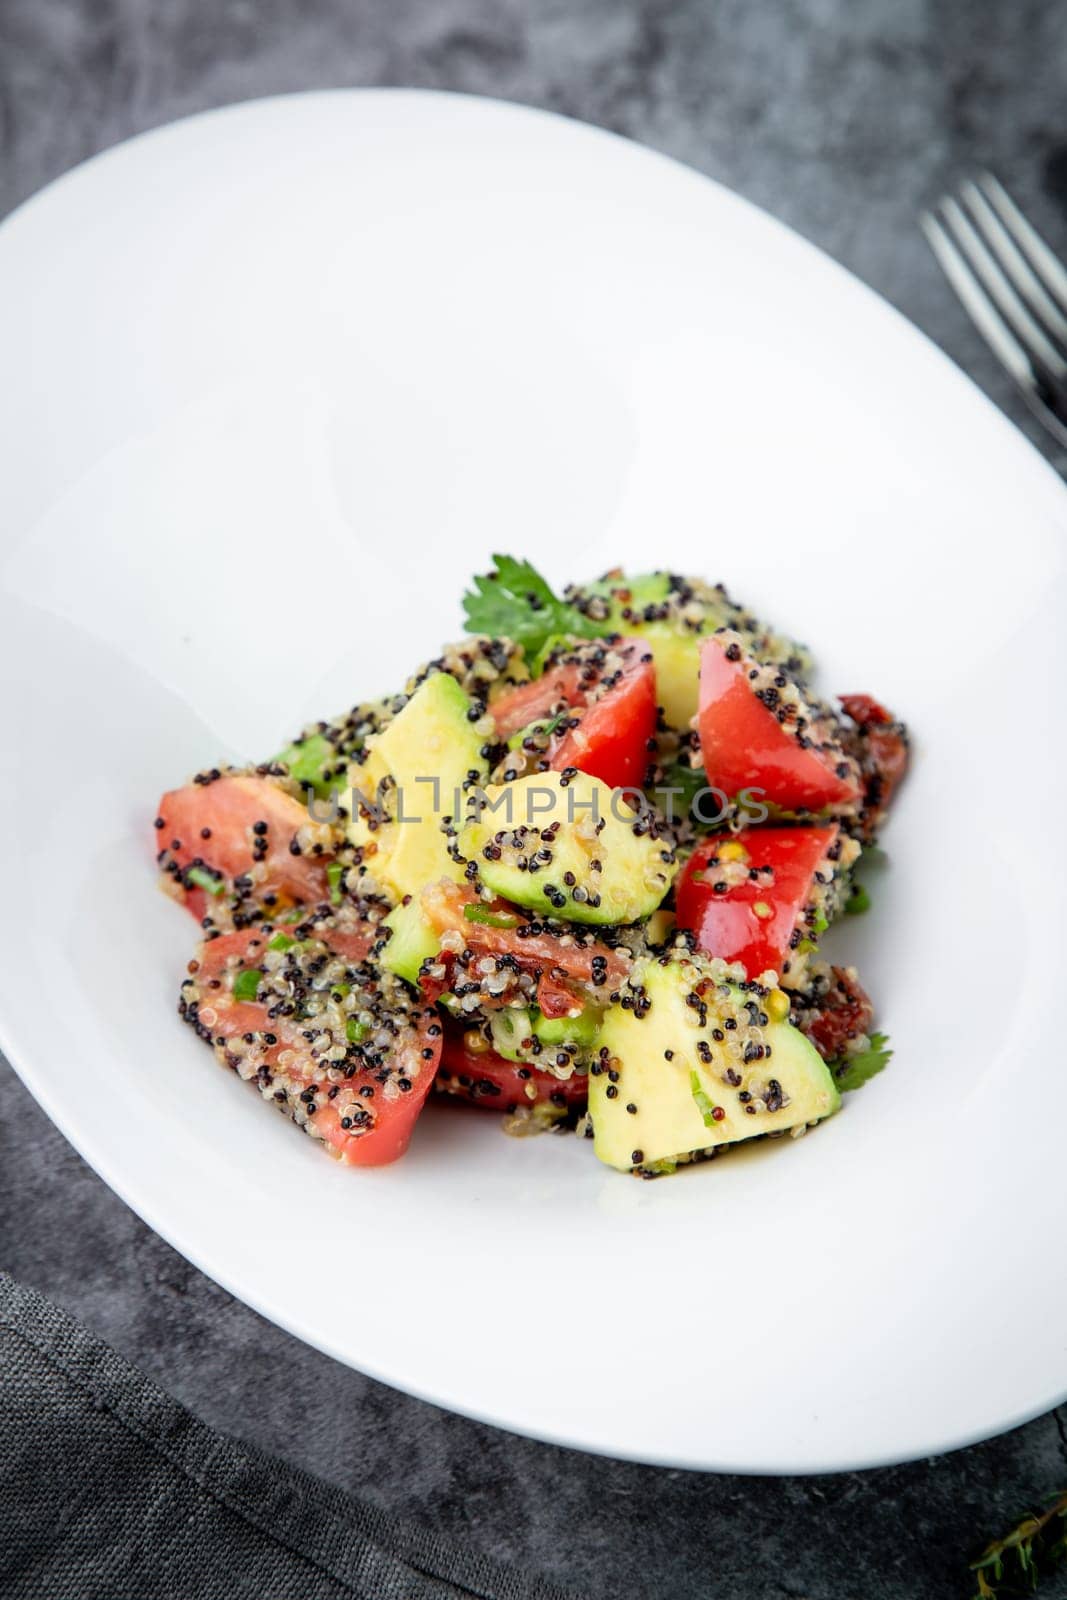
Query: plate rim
[35, 1077]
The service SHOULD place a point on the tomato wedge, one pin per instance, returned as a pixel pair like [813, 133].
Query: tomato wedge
[758, 731]
[242, 826]
[275, 1008]
[605, 694]
[745, 895]
[488, 1080]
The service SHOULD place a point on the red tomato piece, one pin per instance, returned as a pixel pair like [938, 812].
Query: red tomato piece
[490, 1081]
[583, 959]
[842, 1012]
[751, 921]
[242, 825]
[366, 1117]
[610, 719]
[882, 747]
[555, 999]
[750, 741]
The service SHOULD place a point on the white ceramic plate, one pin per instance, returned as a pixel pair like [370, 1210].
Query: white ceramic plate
[276, 380]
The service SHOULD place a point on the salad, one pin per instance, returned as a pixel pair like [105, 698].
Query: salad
[576, 872]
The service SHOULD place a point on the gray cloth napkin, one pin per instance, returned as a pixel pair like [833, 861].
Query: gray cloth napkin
[110, 1490]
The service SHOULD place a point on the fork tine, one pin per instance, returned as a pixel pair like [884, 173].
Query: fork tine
[977, 304]
[1018, 266]
[1045, 260]
[1012, 308]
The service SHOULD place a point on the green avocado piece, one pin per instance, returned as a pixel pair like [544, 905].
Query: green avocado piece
[306, 758]
[568, 847]
[426, 757]
[664, 1061]
[581, 1030]
[411, 941]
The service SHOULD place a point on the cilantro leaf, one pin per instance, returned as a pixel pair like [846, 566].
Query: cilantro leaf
[678, 790]
[855, 1071]
[514, 602]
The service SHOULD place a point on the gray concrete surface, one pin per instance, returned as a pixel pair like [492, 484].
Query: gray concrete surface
[842, 117]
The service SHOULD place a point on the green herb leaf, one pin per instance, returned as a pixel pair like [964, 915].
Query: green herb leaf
[703, 1101]
[546, 726]
[539, 662]
[206, 880]
[680, 776]
[281, 941]
[514, 602]
[246, 984]
[334, 874]
[1035, 1548]
[355, 1032]
[492, 919]
[858, 901]
[821, 922]
[852, 1072]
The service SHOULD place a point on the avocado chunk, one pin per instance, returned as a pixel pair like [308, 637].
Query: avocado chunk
[674, 614]
[690, 1060]
[415, 771]
[566, 845]
[581, 1030]
[308, 759]
[411, 941]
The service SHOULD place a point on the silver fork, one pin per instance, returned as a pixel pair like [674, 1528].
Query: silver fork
[1013, 287]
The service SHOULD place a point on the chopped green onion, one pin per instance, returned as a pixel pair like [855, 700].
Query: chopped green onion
[246, 984]
[821, 923]
[702, 1100]
[543, 725]
[294, 914]
[334, 873]
[858, 901]
[492, 919]
[355, 1031]
[340, 990]
[206, 880]
[281, 941]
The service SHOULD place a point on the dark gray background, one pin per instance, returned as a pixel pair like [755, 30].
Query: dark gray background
[842, 117]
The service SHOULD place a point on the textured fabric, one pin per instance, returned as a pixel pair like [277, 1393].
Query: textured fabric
[110, 1490]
